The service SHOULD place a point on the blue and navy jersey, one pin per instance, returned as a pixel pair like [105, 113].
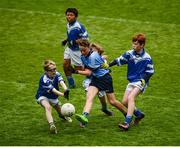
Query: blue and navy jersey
[139, 65]
[46, 85]
[93, 62]
[75, 31]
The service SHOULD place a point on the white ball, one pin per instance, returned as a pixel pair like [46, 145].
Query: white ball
[67, 109]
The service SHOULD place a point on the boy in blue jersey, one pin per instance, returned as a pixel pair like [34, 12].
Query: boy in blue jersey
[48, 92]
[140, 69]
[101, 80]
[75, 31]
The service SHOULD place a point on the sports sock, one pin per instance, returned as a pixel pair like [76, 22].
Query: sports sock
[104, 107]
[70, 81]
[51, 123]
[137, 113]
[128, 119]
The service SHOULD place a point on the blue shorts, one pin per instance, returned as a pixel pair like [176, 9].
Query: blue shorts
[103, 83]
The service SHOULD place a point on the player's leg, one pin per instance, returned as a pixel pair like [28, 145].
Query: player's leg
[101, 96]
[91, 93]
[106, 84]
[125, 103]
[75, 57]
[137, 112]
[45, 103]
[139, 116]
[131, 107]
[125, 98]
[112, 100]
[67, 71]
[47, 108]
[103, 102]
[57, 107]
[67, 68]
[131, 100]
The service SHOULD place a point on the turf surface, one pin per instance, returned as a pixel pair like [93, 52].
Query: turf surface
[31, 31]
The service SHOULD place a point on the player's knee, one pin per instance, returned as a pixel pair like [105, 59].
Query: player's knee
[66, 63]
[112, 101]
[48, 108]
[130, 98]
[131, 101]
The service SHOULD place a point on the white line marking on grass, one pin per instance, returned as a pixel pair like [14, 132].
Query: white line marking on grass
[133, 21]
[93, 17]
[30, 12]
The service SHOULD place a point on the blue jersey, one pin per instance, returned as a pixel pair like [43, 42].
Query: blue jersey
[139, 65]
[93, 62]
[46, 85]
[75, 31]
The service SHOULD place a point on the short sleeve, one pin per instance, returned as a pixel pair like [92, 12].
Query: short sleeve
[59, 77]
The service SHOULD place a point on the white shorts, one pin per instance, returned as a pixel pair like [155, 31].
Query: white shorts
[74, 56]
[86, 83]
[52, 102]
[132, 85]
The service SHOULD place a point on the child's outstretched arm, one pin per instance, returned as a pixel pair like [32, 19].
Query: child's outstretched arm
[56, 92]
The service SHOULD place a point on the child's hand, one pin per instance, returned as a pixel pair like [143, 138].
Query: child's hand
[64, 42]
[105, 64]
[142, 82]
[74, 71]
[66, 94]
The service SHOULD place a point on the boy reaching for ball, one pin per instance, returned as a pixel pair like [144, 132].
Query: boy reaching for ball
[48, 92]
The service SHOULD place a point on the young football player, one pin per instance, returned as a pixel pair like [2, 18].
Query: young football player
[87, 81]
[101, 80]
[140, 69]
[48, 92]
[75, 31]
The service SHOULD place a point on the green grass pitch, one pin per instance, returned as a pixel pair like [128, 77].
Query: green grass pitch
[31, 31]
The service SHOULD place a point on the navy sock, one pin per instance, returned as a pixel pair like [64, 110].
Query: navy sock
[85, 114]
[128, 119]
[104, 107]
[137, 113]
[70, 81]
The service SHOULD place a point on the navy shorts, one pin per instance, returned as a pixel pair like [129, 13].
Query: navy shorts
[103, 83]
